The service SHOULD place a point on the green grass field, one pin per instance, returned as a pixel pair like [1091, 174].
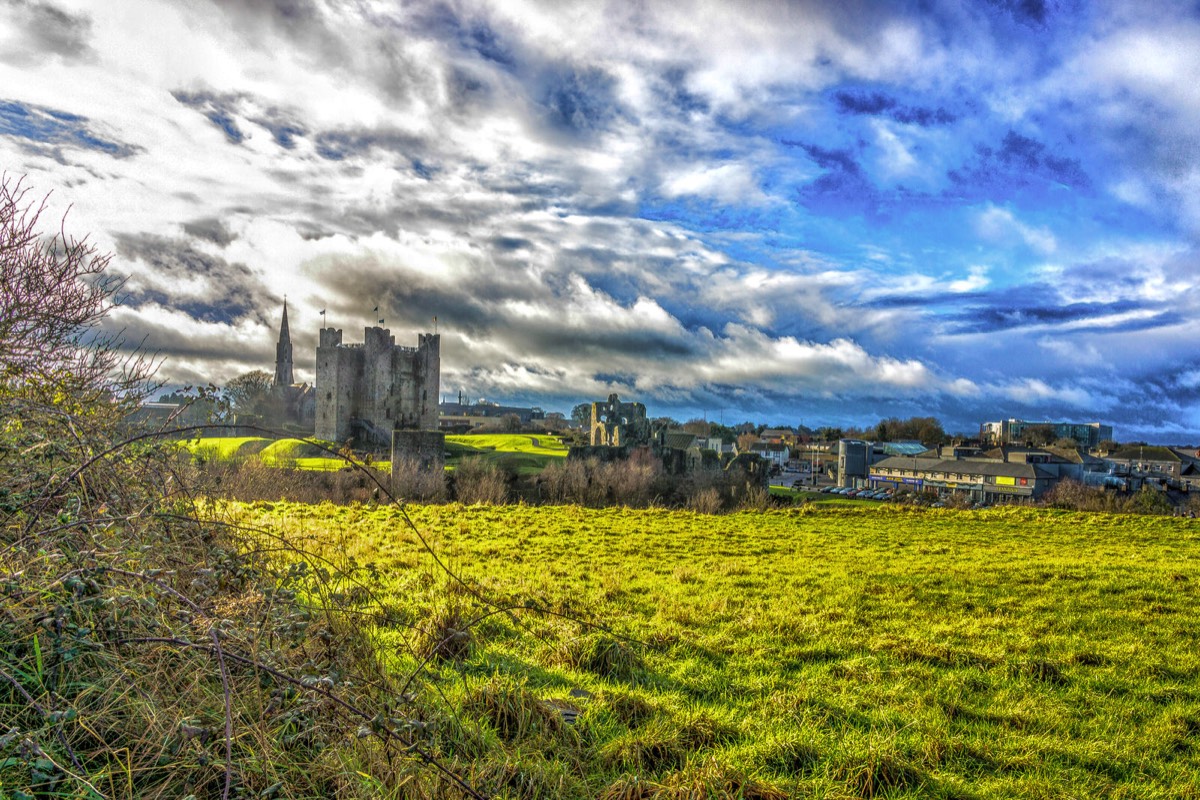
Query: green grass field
[225, 447]
[520, 453]
[832, 651]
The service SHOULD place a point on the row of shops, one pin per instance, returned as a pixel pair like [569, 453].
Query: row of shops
[983, 482]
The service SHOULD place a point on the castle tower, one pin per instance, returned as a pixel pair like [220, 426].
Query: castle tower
[283, 353]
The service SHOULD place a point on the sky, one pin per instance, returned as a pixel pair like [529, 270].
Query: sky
[818, 213]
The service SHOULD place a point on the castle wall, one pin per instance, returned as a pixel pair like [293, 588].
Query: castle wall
[377, 384]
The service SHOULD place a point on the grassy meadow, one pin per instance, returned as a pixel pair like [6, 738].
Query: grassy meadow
[521, 453]
[831, 651]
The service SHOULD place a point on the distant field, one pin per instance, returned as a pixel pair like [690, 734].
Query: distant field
[221, 447]
[835, 651]
[521, 453]
[517, 452]
[511, 443]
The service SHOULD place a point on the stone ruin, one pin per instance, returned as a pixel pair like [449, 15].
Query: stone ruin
[617, 424]
[617, 429]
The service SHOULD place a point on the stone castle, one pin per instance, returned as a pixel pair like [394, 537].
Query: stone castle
[364, 392]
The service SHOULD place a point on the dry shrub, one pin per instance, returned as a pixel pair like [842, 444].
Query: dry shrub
[958, 500]
[591, 482]
[706, 501]
[566, 481]
[148, 647]
[410, 482]
[1071, 494]
[480, 482]
[753, 497]
[252, 481]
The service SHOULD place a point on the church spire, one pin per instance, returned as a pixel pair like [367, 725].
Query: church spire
[283, 353]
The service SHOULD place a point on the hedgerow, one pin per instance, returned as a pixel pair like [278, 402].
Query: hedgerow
[149, 646]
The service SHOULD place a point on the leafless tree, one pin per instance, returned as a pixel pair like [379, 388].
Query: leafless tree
[249, 393]
[54, 291]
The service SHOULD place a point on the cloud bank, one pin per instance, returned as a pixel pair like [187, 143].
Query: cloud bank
[828, 212]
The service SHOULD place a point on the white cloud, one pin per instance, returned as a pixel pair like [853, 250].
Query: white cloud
[1000, 226]
[733, 184]
[977, 278]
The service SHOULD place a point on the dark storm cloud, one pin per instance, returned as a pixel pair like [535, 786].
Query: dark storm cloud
[843, 186]
[209, 229]
[1018, 161]
[863, 102]
[1078, 315]
[832, 160]
[338, 145]
[673, 90]
[1039, 304]
[356, 285]
[495, 310]
[439, 21]
[289, 16]
[47, 31]
[52, 127]
[206, 287]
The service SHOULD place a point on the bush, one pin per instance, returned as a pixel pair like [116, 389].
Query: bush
[148, 646]
[596, 483]
[478, 481]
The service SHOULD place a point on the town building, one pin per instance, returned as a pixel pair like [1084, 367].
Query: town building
[464, 417]
[1173, 467]
[774, 453]
[1014, 431]
[984, 480]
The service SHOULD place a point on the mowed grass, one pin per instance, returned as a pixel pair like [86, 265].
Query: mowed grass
[225, 447]
[519, 453]
[837, 651]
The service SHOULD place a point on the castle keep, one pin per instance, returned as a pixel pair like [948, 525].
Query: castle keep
[366, 391]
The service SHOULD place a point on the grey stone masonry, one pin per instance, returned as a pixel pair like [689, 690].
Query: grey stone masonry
[366, 391]
[427, 449]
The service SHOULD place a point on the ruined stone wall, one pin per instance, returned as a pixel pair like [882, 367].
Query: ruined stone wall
[617, 424]
[426, 449]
